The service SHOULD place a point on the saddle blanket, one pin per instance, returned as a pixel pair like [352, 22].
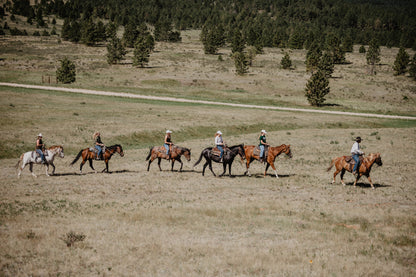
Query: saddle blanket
[256, 151]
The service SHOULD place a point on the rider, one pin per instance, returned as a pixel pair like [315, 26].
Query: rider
[262, 144]
[39, 148]
[219, 143]
[98, 144]
[168, 142]
[356, 153]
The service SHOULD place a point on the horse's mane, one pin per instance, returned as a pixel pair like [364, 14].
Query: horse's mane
[114, 146]
[55, 146]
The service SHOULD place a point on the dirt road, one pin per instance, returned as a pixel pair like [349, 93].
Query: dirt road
[183, 100]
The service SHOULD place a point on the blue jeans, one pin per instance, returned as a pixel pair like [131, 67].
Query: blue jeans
[356, 158]
[221, 150]
[261, 150]
[99, 150]
[167, 148]
[41, 154]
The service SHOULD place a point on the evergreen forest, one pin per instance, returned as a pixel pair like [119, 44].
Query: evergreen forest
[295, 24]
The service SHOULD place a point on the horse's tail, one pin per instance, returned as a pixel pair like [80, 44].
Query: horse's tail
[76, 158]
[20, 160]
[150, 153]
[199, 160]
[331, 165]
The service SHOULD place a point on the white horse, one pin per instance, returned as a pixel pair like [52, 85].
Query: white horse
[32, 157]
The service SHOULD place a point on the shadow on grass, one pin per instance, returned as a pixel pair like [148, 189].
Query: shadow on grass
[92, 172]
[367, 185]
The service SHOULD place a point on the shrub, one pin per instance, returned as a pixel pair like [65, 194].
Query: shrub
[240, 62]
[362, 49]
[401, 62]
[66, 72]
[316, 88]
[286, 61]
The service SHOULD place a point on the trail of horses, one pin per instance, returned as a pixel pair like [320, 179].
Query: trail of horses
[183, 100]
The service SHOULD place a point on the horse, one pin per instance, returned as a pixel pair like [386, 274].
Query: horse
[159, 152]
[273, 152]
[228, 158]
[32, 157]
[341, 165]
[89, 155]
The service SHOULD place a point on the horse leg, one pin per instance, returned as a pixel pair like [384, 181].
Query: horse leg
[158, 163]
[229, 169]
[224, 166]
[248, 165]
[342, 176]
[53, 166]
[179, 159]
[371, 182]
[356, 179]
[47, 169]
[210, 167]
[150, 161]
[203, 169]
[274, 168]
[20, 169]
[31, 170]
[106, 167]
[90, 162]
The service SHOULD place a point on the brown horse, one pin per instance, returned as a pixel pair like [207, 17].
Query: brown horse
[273, 152]
[159, 152]
[90, 155]
[341, 165]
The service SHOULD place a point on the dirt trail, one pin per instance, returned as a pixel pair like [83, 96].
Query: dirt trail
[183, 100]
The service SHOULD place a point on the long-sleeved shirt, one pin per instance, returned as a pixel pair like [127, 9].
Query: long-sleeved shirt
[218, 140]
[355, 150]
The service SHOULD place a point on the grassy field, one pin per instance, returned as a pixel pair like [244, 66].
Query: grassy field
[138, 223]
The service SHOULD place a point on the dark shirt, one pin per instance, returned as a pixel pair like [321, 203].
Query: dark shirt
[98, 139]
[262, 139]
[40, 146]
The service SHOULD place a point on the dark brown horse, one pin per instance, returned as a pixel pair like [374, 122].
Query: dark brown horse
[273, 152]
[89, 155]
[228, 158]
[159, 152]
[341, 165]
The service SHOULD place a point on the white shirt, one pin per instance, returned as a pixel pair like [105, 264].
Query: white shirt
[218, 140]
[356, 149]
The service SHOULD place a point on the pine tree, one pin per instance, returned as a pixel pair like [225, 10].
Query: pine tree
[115, 50]
[240, 62]
[362, 49]
[66, 72]
[238, 43]
[412, 68]
[373, 55]
[333, 45]
[313, 56]
[141, 53]
[326, 65]
[286, 62]
[401, 62]
[317, 88]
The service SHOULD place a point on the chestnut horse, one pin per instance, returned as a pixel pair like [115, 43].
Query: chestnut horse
[159, 152]
[90, 155]
[227, 158]
[273, 152]
[365, 167]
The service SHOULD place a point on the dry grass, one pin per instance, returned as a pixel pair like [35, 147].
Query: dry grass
[138, 223]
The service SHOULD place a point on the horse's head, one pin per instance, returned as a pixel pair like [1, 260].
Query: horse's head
[57, 149]
[287, 151]
[187, 153]
[119, 150]
[377, 159]
[61, 151]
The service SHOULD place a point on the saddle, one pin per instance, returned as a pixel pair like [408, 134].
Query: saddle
[95, 151]
[351, 161]
[216, 152]
[256, 151]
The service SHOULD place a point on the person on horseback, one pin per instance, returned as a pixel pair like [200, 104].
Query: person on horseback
[40, 146]
[219, 143]
[356, 153]
[168, 142]
[98, 145]
[262, 144]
